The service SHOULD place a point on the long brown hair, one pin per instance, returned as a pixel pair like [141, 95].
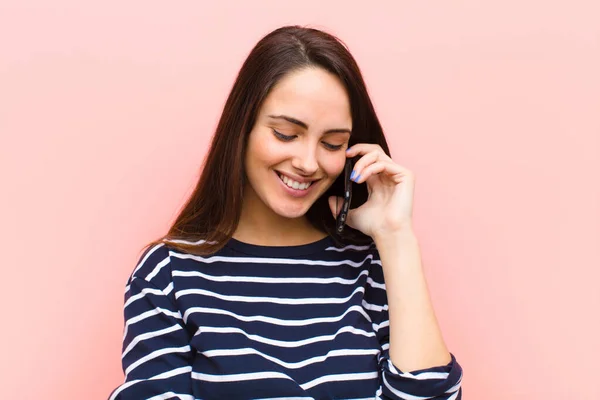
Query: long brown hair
[211, 214]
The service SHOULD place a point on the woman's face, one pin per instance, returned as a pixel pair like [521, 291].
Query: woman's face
[299, 138]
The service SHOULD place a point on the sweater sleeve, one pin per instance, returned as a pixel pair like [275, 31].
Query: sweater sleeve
[439, 382]
[156, 355]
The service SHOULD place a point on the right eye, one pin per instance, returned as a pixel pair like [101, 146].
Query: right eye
[283, 137]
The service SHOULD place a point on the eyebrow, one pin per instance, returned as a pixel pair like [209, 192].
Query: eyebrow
[305, 125]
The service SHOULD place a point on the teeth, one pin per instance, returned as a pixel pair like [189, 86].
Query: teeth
[293, 184]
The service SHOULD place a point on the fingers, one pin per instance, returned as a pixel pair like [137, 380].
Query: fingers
[366, 148]
[374, 161]
[363, 162]
[371, 154]
[391, 169]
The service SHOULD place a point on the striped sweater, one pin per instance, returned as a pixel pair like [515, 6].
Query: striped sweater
[265, 322]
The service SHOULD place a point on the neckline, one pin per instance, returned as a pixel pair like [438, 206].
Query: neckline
[281, 251]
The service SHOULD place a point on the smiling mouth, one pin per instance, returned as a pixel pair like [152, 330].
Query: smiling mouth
[294, 184]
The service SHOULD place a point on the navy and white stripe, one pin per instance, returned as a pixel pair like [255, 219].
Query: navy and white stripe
[259, 322]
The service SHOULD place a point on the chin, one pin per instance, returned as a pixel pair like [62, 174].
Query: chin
[291, 212]
[290, 209]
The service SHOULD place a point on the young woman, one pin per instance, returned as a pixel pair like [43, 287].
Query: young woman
[253, 293]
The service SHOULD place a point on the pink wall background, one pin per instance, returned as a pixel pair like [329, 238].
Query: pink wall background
[106, 110]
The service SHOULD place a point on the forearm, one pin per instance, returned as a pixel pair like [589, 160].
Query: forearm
[416, 340]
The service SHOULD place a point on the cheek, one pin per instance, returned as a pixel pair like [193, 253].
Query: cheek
[273, 150]
[267, 148]
[334, 166]
[259, 151]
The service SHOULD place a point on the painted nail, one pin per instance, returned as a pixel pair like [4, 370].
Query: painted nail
[357, 178]
[352, 174]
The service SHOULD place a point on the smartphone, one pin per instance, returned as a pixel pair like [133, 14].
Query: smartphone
[343, 214]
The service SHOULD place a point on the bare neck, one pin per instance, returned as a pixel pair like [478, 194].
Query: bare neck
[260, 225]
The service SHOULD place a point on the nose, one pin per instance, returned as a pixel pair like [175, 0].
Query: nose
[306, 163]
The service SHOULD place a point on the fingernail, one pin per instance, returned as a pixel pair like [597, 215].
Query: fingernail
[357, 178]
[352, 174]
[348, 149]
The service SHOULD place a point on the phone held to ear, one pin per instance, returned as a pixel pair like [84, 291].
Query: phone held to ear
[343, 214]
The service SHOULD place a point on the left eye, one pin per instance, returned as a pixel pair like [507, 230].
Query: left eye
[333, 146]
[287, 138]
[283, 137]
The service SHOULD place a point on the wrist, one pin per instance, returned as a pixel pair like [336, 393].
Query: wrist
[394, 236]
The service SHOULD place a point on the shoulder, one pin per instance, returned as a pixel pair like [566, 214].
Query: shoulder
[153, 266]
